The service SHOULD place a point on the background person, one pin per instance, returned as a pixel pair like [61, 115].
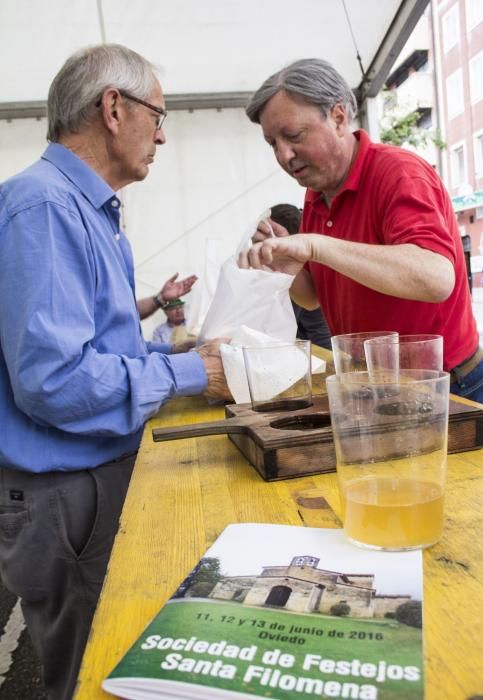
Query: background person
[311, 325]
[380, 247]
[172, 289]
[77, 380]
[171, 331]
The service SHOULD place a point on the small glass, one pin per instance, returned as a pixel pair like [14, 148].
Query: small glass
[389, 354]
[279, 375]
[348, 350]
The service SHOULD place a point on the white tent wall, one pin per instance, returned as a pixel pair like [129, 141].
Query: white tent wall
[21, 142]
[209, 46]
[211, 180]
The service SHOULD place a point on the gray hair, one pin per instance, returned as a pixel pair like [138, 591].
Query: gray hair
[312, 79]
[83, 78]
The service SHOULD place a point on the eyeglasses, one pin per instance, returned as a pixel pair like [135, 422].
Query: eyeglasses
[159, 110]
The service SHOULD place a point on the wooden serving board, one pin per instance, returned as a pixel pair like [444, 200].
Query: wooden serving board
[285, 444]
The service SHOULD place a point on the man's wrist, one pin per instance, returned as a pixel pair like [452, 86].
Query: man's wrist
[159, 300]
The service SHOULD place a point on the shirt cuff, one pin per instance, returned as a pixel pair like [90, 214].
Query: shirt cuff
[190, 373]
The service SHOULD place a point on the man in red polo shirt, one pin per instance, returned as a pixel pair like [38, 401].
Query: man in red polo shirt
[379, 247]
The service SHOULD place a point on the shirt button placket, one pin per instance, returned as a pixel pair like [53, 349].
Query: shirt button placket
[115, 204]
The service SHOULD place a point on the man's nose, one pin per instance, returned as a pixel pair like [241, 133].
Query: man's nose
[285, 153]
[159, 137]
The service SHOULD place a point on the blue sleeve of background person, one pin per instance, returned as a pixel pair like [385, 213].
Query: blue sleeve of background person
[311, 325]
[154, 346]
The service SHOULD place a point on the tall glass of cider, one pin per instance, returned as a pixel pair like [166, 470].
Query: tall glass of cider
[390, 442]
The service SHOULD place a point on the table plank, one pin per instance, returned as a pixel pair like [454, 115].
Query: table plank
[183, 493]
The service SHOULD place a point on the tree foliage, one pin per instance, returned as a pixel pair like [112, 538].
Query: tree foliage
[410, 613]
[204, 577]
[404, 131]
[340, 610]
[401, 128]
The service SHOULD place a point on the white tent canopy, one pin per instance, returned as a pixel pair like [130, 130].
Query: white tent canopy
[215, 174]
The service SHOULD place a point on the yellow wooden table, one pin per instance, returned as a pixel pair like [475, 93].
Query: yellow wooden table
[183, 493]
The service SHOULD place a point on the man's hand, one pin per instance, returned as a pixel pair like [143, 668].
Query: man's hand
[169, 291]
[217, 386]
[267, 228]
[173, 289]
[282, 254]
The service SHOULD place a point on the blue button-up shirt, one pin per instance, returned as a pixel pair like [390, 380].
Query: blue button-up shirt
[77, 380]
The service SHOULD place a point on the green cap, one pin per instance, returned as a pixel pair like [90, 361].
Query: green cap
[173, 302]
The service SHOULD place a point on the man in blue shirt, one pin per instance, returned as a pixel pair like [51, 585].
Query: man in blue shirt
[77, 379]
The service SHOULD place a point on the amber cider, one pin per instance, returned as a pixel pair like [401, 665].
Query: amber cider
[392, 512]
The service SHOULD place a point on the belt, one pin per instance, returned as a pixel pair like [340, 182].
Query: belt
[467, 366]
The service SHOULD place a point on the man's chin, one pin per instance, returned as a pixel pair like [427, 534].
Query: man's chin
[142, 173]
[310, 182]
[303, 179]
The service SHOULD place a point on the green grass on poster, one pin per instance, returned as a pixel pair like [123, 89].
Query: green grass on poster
[266, 634]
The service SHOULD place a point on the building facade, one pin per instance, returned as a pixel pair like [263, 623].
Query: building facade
[304, 588]
[457, 28]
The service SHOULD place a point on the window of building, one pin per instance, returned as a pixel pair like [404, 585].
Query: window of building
[451, 28]
[478, 153]
[475, 66]
[425, 120]
[474, 13]
[458, 165]
[479, 213]
[454, 94]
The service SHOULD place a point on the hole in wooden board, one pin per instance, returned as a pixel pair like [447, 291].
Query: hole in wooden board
[309, 421]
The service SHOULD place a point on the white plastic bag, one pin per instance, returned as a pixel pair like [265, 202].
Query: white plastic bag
[204, 290]
[258, 299]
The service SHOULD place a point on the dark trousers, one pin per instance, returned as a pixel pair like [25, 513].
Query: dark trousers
[468, 381]
[56, 534]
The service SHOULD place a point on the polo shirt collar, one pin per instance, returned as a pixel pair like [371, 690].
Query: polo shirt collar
[92, 186]
[355, 173]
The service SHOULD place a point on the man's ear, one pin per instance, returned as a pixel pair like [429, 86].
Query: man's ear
[339, 115]
[111, 109]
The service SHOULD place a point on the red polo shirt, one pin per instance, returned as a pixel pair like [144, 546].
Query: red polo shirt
[390, 197]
